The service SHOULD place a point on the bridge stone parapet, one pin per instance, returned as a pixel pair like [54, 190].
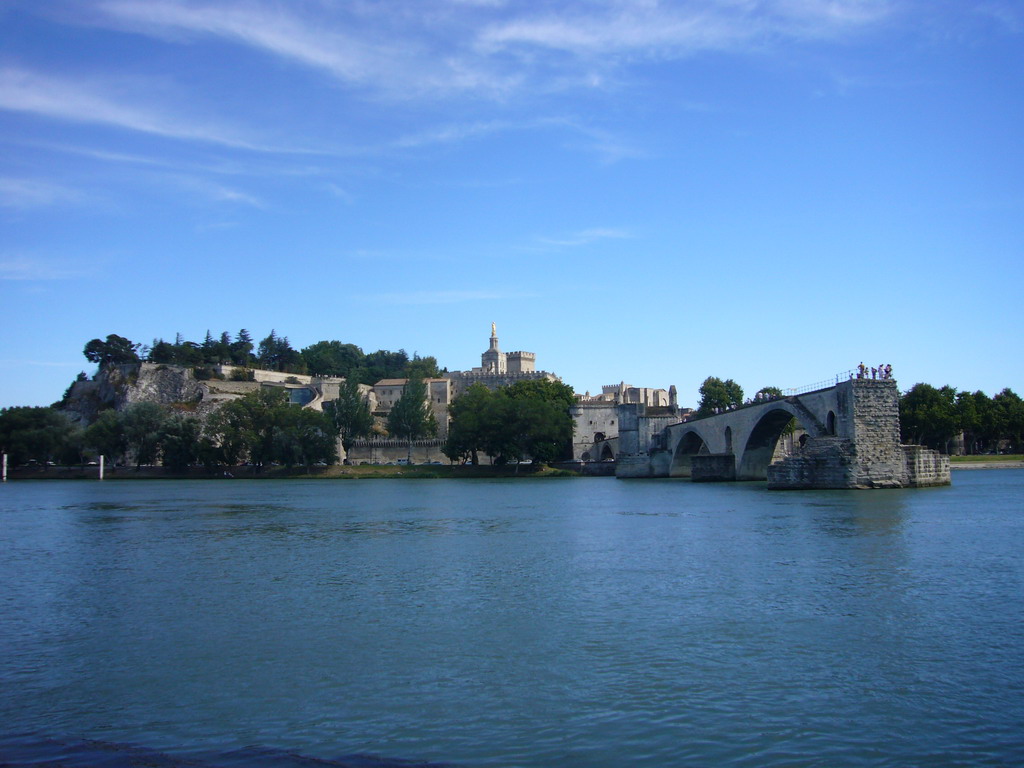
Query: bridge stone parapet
[852, 440]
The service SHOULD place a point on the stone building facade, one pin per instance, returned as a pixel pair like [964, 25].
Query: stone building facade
[596, 417]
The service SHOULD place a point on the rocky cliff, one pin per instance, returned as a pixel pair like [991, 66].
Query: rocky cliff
[121, 385]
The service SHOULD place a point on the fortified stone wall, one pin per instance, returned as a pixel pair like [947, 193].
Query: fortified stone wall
[925, 467]
[384, 451]
[463, 380]
[589, 421]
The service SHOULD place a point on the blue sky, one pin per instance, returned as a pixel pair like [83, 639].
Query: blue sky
[655, 192]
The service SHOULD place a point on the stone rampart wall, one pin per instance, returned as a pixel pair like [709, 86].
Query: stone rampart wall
[392, 451]
[925, 467]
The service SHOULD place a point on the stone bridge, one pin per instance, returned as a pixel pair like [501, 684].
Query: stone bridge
[852, 441]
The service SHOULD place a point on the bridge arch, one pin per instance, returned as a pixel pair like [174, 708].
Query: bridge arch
[763, 439]
[690, 444]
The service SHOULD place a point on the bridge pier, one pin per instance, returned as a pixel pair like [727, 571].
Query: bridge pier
[852, 441]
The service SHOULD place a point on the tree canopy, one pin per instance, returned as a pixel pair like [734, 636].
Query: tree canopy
[274, 352]
[116, 350]
[37, 434]
[526, 420]
[717, 395]
[934, 416]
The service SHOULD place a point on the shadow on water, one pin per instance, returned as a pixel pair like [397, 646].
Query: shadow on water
[37, 752]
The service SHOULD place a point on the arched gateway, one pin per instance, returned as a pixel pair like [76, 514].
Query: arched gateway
[850, 439]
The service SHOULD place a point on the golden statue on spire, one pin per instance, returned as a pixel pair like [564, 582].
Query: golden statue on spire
[494, 329]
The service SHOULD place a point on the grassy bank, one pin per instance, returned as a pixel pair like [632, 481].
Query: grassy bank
[1002, 461]
[987, 459]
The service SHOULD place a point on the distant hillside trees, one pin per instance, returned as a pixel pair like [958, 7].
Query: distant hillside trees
[275, 353]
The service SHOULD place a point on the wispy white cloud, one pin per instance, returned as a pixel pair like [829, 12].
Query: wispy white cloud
[586, 237]
[24, 194]
[457, 46]
[85, 101]
[20, 267]
[215, 192]
[385, 49]
[656, 29]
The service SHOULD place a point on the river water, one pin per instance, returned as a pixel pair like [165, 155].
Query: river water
[543, 622]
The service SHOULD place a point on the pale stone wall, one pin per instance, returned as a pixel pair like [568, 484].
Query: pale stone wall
[627, 393]
[463, 380]
[925, 467]
[589, 421]
[386, 393]
[520, 362]
[385, 451]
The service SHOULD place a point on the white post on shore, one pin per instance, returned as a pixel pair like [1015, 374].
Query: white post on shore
[5, 468]
[101, 466]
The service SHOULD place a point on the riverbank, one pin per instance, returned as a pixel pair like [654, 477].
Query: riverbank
[364, 471]
[1009, 461]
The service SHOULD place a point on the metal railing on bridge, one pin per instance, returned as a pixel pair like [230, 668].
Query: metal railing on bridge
[823, 384]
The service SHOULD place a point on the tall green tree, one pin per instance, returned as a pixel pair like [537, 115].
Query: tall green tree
[422, 368]
[1009, 410]
[33, 433]
[276, 354]
[143, 428]
[527, 420]
[246, 426]
[717, 395]
[542, 389]
[241, 349]
[180, 441]
[928, 416]
[411, 417]
[468, 427]
[332, 358]
[106, 435]
[350, 414]
[304, 436]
